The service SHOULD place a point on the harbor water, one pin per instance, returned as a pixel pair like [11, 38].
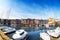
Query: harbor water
[33, 33]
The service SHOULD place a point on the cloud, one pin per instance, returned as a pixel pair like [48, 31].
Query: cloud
[4, 7]
[21, 10]
[25, 11]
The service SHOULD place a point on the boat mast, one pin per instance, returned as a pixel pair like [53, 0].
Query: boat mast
[8, 13]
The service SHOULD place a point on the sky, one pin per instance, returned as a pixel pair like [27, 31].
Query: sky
[34, 9]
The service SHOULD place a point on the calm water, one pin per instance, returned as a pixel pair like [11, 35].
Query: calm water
[33, 33]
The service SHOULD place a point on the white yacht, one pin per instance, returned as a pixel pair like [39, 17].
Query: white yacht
[54, 33]
[20, 34]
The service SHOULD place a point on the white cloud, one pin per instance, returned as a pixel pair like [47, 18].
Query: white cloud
[4, 7]
[22, 14]
[25, 11]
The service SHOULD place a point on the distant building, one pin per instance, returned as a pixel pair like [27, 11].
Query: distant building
[28, 22]
[13, 23]
[42, 22]
[3, 21]
[36, 22]
[57, 22]
[51, 22]
[9, 22]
